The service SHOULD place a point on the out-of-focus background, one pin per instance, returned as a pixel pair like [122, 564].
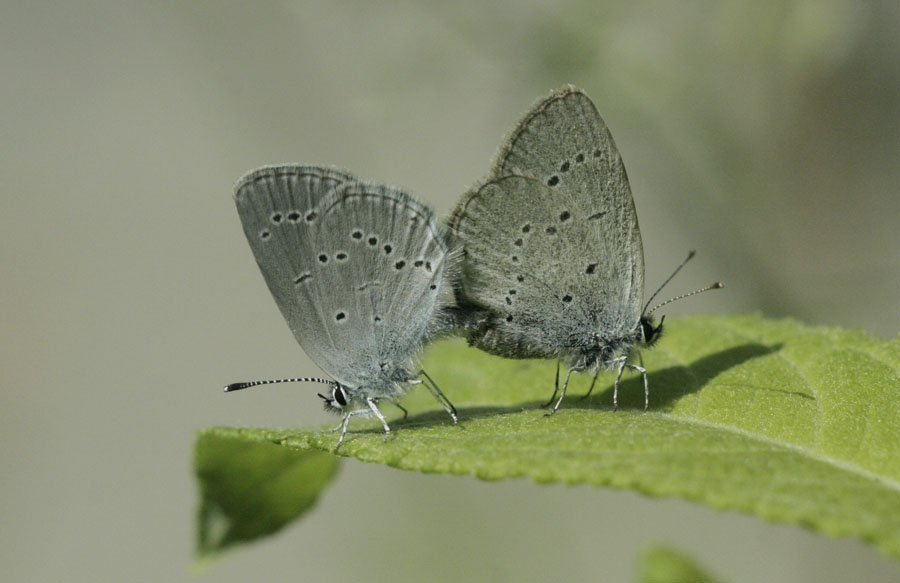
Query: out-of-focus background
[763, 134]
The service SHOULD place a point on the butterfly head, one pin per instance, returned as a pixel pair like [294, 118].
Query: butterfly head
[650, 333]
[338, 399]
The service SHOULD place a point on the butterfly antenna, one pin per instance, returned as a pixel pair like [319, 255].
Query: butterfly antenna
[715, 285]
[247, 385]
[659, 289]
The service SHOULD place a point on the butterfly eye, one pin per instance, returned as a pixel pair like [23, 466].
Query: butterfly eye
[648, 332]
[339, 395]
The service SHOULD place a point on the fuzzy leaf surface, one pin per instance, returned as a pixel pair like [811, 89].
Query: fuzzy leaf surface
[787, 422]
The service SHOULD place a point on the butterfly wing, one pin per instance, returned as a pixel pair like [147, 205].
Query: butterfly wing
[379, 295]
[276, 206]
[559, 171]
[293, 187]
[358, 276]
[536, 266]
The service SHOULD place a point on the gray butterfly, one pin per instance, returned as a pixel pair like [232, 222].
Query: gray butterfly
[552, 248]
[362, 274]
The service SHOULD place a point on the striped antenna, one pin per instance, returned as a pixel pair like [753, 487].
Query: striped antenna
[714, 285]
[247, 385]
[690, 256]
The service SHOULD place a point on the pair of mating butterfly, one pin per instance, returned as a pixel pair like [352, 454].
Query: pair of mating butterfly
[543, 259]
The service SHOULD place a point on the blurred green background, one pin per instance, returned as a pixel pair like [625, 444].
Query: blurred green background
[764, 134]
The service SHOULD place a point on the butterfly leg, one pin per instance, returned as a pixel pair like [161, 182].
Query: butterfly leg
[621, 361]
[593, 382]
[402, 408]
[439, 395]
[397, 405]
[374, 408]
[563, 392]
[555, 389]
[643, 371]
[343, 426]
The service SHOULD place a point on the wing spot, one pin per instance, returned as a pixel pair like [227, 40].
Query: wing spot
[377, 318]
[399, 264]
[373, 241]
[520, 278]
[428, 266]
[302, 277]
[596, 216]
[276, 217]
[388, 249]
[311, 216]
[511, 292]
[526, 229]
[564, 216]
[554, 180]
[551, 230]
[341, 256]
[432, 286]
[598, 153]
[340, 316]
[508, 301]
[564, 167]
[509, 318]
[323, 258]
[357, 234]
[367, 285]
[265, 234]
[419, 263]
[515, 259]
[579, 158]
[293, 216]
[519, 242]
[591, 268]
[567, 298]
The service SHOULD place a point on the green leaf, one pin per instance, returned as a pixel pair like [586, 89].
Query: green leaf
[250, 487]
[666, 565]
[790, 423]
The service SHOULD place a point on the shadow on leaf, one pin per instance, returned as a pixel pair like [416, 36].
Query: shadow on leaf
[666, 387]
[671, 384]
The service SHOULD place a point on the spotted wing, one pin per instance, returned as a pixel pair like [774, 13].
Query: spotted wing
[286, 187]
[274, 204]
[564, 143]
[358, 279]
[536, 266]
[556, 223]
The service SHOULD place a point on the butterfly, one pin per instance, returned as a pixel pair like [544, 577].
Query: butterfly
[362, 273]
[552, 248]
